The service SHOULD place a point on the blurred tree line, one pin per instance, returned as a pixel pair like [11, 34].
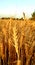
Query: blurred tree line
[33, 16]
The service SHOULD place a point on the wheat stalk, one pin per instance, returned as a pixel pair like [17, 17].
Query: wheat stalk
[15, 38]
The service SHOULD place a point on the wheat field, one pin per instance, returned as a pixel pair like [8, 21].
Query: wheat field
[17, 42]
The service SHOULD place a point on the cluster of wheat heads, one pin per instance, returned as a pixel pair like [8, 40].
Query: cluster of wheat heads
[25, 39]
[18, 37]
[29, 41]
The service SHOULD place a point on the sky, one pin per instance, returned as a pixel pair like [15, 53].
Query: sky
[16, 7]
